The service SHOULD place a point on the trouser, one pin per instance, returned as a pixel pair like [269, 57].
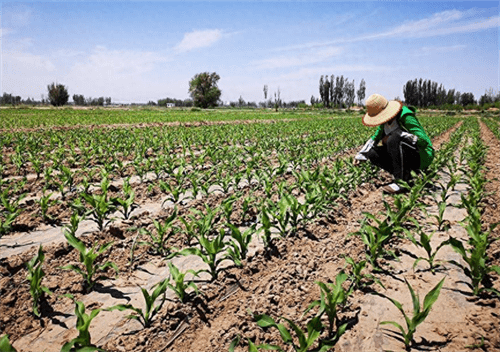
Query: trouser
[396, 156]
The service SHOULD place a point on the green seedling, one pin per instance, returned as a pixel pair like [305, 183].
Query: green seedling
[425, 243]
[306, 339]
[5, 345]
[145, 317]
[477, 269]
[266, 228]
[82, 343]
[127, 203]
[11, 211]
[164, 231]
[88, 258]
[200, 224]
[180, 286]
[332, 295]
[238, 247]
[100, 206]
[357, 278]
[173, 192]
[419, 314]
[208, 252]
[251, 346]
[35, 275]
[45, 203]
[374, 238]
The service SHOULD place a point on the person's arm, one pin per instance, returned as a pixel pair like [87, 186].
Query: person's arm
[411, 124]
[379, 133]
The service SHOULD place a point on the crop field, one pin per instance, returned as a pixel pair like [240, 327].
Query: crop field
[238, 230]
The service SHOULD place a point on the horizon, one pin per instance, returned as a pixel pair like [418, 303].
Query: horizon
[135, 52]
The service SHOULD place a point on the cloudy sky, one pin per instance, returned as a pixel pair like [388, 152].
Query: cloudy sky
[141, 51]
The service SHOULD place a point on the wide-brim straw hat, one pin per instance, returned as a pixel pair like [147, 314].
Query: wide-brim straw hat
[379, 110]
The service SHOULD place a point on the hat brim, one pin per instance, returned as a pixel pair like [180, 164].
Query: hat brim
[391, 110]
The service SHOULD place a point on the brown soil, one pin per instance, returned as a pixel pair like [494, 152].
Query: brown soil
[279, 284]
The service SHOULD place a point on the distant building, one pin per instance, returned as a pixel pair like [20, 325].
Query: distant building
[170, 105]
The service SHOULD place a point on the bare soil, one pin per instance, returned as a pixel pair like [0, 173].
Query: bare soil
[280, 284]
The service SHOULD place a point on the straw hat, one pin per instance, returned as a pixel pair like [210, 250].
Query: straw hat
[380, 110]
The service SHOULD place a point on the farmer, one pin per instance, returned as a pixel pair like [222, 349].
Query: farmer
[405, 145]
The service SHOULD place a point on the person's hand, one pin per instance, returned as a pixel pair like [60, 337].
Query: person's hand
[384, 140]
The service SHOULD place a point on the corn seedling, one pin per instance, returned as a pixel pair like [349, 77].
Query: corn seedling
[88, 258]
[45, 203]
[163, 233]
[306, 339]
[173, 192]
[180, 286]
[146, 316]
[419, 313]
[5, 345]
[238, 247]
[477, 269]
[374, 238]
[356, 276]
[332, 295]
[83, 341]
[100, 206]
[251, 346]
[35, 275]
[425, 243]
[127, 204]
[208, 252]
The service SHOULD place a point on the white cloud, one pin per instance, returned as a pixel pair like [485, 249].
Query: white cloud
[428, 50]
[301, 59]
[199, 39]
[5, 32]
[121, 74]
[439, 24]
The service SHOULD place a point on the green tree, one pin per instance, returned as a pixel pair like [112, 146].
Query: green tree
[361, 92]
[203, 89]
[58, 94]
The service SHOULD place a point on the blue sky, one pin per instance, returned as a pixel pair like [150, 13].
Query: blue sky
[141, 51]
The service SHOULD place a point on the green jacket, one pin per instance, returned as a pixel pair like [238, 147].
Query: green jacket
[409, 123]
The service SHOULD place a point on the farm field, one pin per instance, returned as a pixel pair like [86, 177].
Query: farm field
[283, 242]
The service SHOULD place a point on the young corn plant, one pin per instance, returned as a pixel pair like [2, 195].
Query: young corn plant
[45, 203]
[374, 238]
[419, 313]
[88, 258]
[208, 252]
[11, 211]
[332, 296]
[306, 338]
[146, 316]
[358, 279]
[5, 345]
[425, 243]
[127, 204]
[35, 275]
[180, 286]
[173, 191]
[83, 341]
[100, 206]
[477, 268]
[164, 231]
[238, 246]
[251, 346]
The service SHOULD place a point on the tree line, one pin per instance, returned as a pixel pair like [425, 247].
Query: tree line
[333, 92]
[338, 92]
[428, 94]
